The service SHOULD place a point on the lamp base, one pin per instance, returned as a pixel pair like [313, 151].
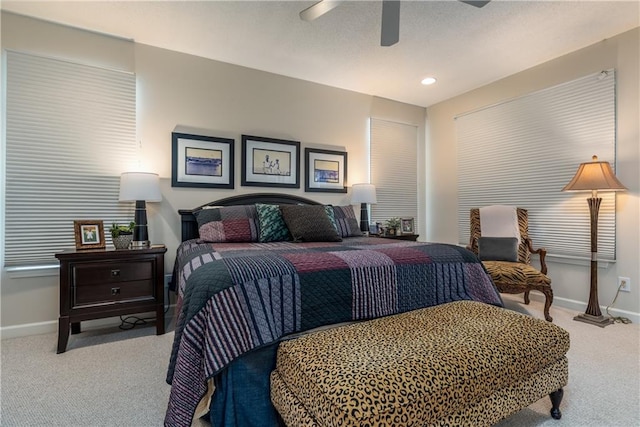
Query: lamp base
[140, 244]
[601, 321]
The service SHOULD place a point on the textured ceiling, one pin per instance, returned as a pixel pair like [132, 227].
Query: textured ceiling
[463, 46]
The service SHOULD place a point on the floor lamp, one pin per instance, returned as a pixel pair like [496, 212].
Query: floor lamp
[140, 187]
[363, 194]
[593, 176]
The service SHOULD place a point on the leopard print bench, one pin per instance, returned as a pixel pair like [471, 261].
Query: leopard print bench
[463, 363]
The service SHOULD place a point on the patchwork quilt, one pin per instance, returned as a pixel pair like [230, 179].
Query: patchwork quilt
[237, 297]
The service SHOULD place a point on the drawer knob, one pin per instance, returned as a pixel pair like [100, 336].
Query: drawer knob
[115, 291]
[115, 273]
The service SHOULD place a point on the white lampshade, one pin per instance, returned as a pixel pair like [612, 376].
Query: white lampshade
[594, 175]
[139, 186]
[363, 193]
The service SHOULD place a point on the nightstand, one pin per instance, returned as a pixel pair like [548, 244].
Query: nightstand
[412, 237]
[95, 284]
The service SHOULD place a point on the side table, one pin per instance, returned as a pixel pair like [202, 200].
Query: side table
[96, 284]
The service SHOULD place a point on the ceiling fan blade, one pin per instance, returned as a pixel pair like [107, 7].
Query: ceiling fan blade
[390, 33]
[317, 10]
[476, 3]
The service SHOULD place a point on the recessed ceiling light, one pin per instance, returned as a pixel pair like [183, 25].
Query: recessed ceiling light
[428, 81]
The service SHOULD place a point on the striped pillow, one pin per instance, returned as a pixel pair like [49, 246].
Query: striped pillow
[346, 221]
[228, 224]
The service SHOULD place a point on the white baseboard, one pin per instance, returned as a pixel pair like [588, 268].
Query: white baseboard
[580, 307]
[50, 326]
[40, 328]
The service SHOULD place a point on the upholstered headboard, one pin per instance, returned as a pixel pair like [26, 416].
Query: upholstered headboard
[190, 226]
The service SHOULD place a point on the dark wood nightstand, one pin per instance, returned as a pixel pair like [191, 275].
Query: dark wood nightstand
[412, 237]
[95, 284]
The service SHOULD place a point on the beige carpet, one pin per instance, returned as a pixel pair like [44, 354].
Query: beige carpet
[113, 378]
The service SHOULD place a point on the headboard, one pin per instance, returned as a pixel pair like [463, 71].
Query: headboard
[189, 224]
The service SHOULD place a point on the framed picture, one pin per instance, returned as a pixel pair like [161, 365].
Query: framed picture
[406, 226]
[325, 170]
[89, 234]
[268, 162]
[201, 161]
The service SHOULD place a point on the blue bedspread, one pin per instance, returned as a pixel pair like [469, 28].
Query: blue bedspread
[237, 297]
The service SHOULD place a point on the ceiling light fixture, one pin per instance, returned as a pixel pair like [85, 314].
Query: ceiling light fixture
[428, 81]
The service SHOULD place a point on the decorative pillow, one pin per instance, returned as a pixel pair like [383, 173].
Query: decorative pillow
[272, 225]
[498, 249]
[332, 216]
[309, 223]
[228, 224]
[346, 221]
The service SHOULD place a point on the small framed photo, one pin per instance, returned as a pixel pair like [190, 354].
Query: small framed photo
[325, 171]
[201, 161]
[406, 226]
[268, 162]
[89, 234]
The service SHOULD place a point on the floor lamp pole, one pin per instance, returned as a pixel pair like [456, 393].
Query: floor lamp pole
[593, 315]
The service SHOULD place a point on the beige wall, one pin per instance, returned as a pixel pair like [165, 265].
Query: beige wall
[570, 282]
[192, 94]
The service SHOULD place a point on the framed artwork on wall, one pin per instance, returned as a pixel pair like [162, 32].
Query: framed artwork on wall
[325, 171]
[202, 161]
[268, 162]
[89, 234]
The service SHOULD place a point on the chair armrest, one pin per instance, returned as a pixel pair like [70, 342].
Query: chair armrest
[542, 252]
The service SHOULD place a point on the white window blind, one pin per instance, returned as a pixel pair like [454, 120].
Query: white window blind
[394, 170]
[70, 132]
[524, 151]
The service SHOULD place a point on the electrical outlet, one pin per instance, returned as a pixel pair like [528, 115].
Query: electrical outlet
[624, 284]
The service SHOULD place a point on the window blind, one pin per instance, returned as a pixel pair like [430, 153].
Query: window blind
[524, 151]
[394, 170]
[70, 132]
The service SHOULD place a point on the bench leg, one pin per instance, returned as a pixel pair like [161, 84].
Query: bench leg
[556, 398]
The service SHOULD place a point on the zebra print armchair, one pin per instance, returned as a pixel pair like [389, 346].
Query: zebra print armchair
[520, 276]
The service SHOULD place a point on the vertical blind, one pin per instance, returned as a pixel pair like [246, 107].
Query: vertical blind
[524, 151]
[70, 132]
[394, 170]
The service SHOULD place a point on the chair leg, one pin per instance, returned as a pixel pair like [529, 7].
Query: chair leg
[548, 299]
[526, 297]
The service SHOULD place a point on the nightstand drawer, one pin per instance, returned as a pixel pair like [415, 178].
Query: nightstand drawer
[99, 273]
[113, 292]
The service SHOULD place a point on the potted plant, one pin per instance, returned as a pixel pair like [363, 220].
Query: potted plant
[121, 235]
[393, 225]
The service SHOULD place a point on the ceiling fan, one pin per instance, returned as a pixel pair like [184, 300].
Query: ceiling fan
[390, 31]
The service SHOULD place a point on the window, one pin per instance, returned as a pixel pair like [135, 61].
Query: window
[524, 151]
[394, 170]
[70, 132]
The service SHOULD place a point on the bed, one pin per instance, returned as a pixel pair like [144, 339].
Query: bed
[239, 296]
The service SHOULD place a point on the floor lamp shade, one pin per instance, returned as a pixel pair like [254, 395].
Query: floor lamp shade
[140, 187]
[593, 176]
[363, 194]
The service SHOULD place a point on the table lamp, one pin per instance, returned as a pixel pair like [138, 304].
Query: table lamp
[140, 187]
[363, 194]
